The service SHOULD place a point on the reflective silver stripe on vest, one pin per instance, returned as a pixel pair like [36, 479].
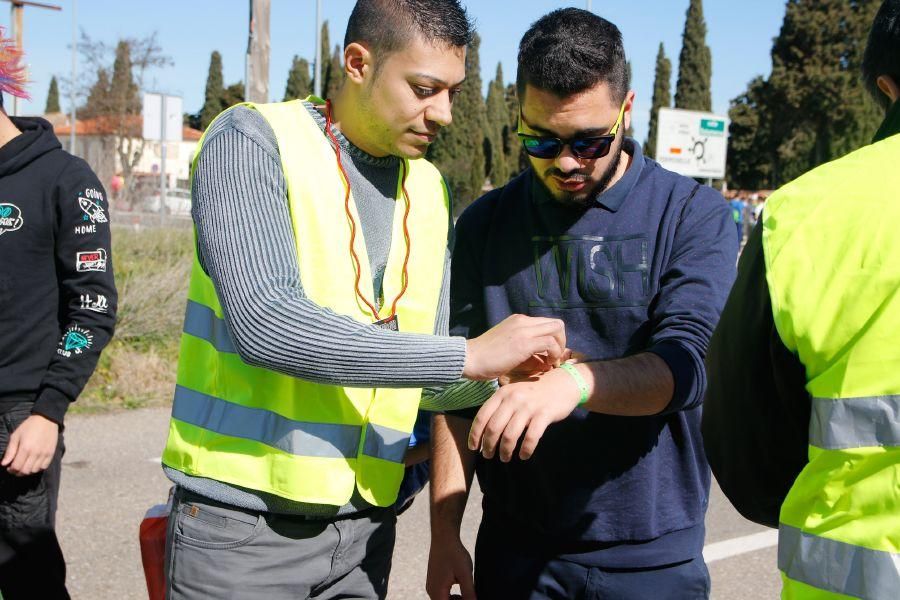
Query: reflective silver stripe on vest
[384, 442]
[201, 322]
[838, 423]
[838, 566]
[327, 440]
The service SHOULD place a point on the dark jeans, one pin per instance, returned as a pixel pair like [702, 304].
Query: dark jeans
[508, 571]
[31, 561]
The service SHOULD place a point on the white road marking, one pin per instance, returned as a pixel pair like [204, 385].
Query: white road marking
[741, 545]
[157, 460]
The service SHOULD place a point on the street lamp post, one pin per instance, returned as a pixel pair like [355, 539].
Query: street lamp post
[17, 8]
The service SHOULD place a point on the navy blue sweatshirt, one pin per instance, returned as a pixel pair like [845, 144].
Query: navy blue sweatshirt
[646, 267]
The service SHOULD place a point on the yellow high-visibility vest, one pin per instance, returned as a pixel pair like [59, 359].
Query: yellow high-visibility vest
[833, 267]
[266, 431]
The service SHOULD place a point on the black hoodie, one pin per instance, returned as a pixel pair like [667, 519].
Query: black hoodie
[57, 294]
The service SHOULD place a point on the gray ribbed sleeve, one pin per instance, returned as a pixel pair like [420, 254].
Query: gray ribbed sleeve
[246, 244]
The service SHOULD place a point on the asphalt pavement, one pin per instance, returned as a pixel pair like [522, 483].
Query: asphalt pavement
[112, 475]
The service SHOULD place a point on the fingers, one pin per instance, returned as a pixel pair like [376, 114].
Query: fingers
[31, 465]
[438, 591]
[23, 456]
[549, 327]
[467, 586]
[11, 450]
[488, 427]
[550, 345]
[511, 434]
[483, 417]
[494, 429]
[536, 428]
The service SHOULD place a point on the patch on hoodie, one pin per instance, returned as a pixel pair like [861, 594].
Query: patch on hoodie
[10, 218]
[93, 260]
[75, 341]
[90, 205]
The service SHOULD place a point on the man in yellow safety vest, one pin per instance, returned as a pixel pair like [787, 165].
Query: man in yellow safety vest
[317, 312]
[802, 417]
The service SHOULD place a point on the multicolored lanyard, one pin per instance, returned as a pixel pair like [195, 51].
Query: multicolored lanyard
[391, 322]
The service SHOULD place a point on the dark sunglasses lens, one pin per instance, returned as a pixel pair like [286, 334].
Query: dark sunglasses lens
[541, 147]
[596, 147]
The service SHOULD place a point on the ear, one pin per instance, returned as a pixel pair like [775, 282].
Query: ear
[890, 87]
[357, 62]
[629, 105]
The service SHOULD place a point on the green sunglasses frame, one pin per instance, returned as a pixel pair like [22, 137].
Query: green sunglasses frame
[568, 142]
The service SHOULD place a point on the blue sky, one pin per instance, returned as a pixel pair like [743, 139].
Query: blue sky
[740, 36]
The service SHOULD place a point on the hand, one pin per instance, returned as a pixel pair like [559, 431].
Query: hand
[527, 370]
[449, 562]
[518, 342]
[31, 446]
[533, 405]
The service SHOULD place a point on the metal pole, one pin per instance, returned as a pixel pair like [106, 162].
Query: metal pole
[248, 56]
[16, 20]
[74, 76]
[318, 75]
[589, 3]
[162, 162]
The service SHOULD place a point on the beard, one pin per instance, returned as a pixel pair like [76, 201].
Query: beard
[582, 198]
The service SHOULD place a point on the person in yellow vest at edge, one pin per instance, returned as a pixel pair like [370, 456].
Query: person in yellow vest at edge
[317, 313]
[802, 417]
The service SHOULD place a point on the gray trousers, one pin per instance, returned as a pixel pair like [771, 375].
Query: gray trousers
[214, 550]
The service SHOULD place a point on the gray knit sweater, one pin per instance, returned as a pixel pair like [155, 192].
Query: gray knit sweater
[246, 245]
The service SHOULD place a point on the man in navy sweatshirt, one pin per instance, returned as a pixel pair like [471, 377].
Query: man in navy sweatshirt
[605, 495]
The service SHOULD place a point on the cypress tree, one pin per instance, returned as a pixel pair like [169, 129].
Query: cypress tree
[498, 126]
[695, 63]
[819, 107]
[98, 101]
[750, 148]
[324, 71]
[458, 152]
[53, 97]
[122, 89]
[662, 98]
[516, 158]
[335, 74]
[299, 83]
[629, 132]
[214, 97]
[233, 94]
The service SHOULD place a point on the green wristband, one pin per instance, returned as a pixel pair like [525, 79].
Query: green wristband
[579, 380]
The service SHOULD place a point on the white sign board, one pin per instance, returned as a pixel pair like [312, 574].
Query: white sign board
[152, 113]
[692, 143]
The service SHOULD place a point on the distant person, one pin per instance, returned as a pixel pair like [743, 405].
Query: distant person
[738, 205]
[594, 479]
[58, 302]
[318, 310]
[802, 417]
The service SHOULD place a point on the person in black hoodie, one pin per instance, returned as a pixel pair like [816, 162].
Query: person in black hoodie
[57, 312]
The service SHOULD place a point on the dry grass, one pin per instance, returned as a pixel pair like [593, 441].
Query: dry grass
[138, 368]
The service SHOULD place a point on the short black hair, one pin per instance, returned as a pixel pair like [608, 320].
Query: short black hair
[389, 25]
[571, 50]
[882, 56]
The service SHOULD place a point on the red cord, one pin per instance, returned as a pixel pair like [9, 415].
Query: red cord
[356, 263]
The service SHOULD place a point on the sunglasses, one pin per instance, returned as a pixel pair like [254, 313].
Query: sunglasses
[588, 147]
